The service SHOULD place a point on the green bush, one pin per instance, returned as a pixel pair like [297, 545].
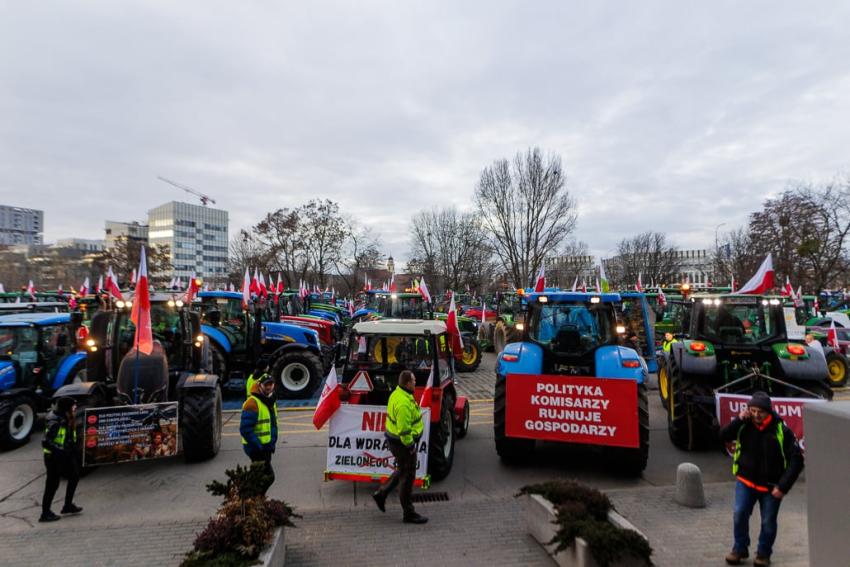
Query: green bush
[583, 512]
[244, 523]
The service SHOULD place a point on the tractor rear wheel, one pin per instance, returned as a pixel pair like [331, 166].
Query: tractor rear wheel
[633, 461]
[17, 419]
[510, 449]
[297, 374]
[462, 425]
[471, 355]
[200, 423]
[441, 454]
[837, 366]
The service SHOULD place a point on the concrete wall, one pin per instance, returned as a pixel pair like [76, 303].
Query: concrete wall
[827, 428]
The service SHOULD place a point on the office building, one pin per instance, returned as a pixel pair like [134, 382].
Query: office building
[196, 237]
[81, 244]
[21, 226]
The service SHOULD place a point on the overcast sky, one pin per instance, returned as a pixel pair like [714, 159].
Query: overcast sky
[672, 116]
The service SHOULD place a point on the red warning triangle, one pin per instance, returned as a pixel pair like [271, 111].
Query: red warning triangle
[361, 383]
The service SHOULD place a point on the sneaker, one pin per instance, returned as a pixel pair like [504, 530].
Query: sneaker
[415, 518]
[736, 557]
[380, 500]
[49, 516]
[71, 509]
[761, 560]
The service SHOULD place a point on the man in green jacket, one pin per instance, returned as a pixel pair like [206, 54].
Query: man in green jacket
[403, 429]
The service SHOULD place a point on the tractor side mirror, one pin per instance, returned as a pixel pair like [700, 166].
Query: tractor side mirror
[214, 317]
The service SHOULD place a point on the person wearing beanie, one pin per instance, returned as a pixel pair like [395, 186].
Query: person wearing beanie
[766, 464]
[60, 457]
[258, 425]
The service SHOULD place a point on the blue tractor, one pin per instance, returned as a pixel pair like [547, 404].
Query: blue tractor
[38, 355]
[570, 340]
[239, 338]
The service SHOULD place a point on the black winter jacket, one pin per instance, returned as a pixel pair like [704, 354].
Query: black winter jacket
[761, 460]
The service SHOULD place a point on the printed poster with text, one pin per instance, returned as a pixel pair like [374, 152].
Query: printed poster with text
[357, 445]
[789, 409]
[572, 409]
[129, 433]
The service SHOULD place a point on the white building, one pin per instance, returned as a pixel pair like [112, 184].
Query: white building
[135, 233]
[695, 265]
[81, 244]
[196, 237]
[21, 226]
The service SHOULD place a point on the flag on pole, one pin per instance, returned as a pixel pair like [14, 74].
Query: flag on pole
[84, 289]
[603, 279]
[246, 290]
[99, 287]
[662, 299]
[2, 289]
[598, 288]
[193, 289]
[575, 284]
[112, 285]
[393, 286]
[31, 289]
[762, 281]
[483, 311]
[454, 330]
[832, 335]
[329, 402]
[732, 283]
[60, 291]
[788, 290]
[639, 286]
[423, 290]
[540, 283]
[584, 286]
[133, 277]
[798, 297]
[428, 393]
[141, 311]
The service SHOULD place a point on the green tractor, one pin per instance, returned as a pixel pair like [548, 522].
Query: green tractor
[736, 344]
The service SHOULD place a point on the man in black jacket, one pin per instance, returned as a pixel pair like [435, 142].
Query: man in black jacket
[767, 463]
[60, 457]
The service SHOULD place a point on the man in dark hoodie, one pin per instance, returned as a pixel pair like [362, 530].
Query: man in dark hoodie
[60, 457]
[258, 425]
[766, 464]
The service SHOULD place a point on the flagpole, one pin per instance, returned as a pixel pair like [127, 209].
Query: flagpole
[136, 368]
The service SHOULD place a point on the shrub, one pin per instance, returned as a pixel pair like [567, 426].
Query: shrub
[244, 523]
[583, 512]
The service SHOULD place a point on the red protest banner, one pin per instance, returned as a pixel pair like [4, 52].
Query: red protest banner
[789, 409]
[572, 409]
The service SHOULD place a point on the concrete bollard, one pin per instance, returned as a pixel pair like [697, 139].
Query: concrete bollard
[689, 490]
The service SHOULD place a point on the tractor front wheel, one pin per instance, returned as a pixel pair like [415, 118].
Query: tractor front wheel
[471, 355]
[511, 450]
[200, 423]
[441, 453]
[686, 430]
[500, 337]
[663, 381]
[837, 366]
[17, 419]
[297, 374]
[633, 461]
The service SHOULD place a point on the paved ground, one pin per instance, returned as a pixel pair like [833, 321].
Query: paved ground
[125, 504]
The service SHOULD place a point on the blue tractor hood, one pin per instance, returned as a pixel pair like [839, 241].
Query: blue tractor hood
[8, 375]
[290, 334]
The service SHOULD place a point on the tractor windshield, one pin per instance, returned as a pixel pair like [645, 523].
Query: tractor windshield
[737, 321]
[399, 307]
[20, 344]
[572, 328]
[391, 354]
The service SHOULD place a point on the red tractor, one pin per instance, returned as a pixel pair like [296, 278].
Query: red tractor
[378, 351]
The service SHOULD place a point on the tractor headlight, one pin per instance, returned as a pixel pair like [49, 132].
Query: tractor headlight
[520, 327]
[621, 329]
[543, 299]
[171, 303]
[595, 300]
[178, 303]
[119, 304]
[199, 339]
[93, 349]
[91, 343]
[128, 304]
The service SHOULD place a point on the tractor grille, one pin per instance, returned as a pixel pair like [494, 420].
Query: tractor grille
[430, 497]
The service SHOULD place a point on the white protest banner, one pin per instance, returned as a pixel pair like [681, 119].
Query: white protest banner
[358, 449]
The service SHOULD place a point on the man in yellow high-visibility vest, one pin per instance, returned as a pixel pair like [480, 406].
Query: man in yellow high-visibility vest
[60, 457]
[258, 424]
[403, 429]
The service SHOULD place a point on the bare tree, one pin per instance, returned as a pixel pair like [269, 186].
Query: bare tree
[124, 257]
[526, 210]
[361, 254]
[281, 234]
[246, 250]
[450, 249]
[325, 231]
[647, 254]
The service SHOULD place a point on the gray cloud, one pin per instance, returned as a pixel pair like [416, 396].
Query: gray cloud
[668, 116]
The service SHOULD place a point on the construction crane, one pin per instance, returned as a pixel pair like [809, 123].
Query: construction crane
[205, 199]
